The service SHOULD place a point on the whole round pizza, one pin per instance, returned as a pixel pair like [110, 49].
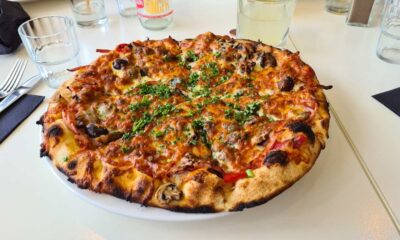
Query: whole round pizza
[207, 124]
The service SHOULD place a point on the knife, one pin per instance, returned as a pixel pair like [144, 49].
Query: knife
[19, 92]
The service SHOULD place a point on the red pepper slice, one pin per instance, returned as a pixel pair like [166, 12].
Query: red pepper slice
[123, 47]
[77, 68]
[277, 145]
[234, 176]
[99, 50]
[299, 140]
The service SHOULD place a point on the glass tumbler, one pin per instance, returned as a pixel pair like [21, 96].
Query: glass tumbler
[154, 14]
[388, 48]
[265, 20]
[52, 45]
[127, 8]
[89, 13]
[337, 6]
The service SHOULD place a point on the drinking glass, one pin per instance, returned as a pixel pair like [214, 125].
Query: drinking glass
[52, 45]
[388, 48]
[265, 20]
[337, 6]
[89, 13]
[154, 14]
[127, 8]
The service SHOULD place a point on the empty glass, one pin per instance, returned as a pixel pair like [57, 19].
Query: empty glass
[127, 8]
[89, 13]
[388, 48]
[265, 20]
[337, 6]
[52, 45]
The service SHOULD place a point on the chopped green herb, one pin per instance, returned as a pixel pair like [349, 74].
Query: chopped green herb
[160, 90]
[193, 78]
[212, 100]
[198, 126]
[144, 103]
[127, 136]
[158, 134]
[192, 56]
[141, 123]
[213, 69]
[222, 80]
[201, 92]
[65, 159]
[238, 94]
[193, 141]
[242, 116]
[126, 149]
[217, 54]
[163, 110]
[228, 113]
[250, 173]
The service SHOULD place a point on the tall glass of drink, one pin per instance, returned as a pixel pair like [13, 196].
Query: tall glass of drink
[265, 20]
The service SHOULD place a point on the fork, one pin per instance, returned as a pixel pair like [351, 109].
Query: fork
[13, 78]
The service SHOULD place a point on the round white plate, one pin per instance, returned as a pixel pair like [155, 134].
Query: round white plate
[129, 209]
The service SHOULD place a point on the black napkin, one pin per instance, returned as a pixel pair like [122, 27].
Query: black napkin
[15, 114]
[11, 16]
[391, 99]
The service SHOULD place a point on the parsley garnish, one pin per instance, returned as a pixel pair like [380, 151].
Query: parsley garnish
[160, 90]
[141, 123]
[143, 104]
[126, 149]
[242, 116]
[193, 78]
[163, 110]
[217, 54]
[201, 92]
[198, 126]
[191, 56]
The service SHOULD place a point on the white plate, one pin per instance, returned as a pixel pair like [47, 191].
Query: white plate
[129, 209]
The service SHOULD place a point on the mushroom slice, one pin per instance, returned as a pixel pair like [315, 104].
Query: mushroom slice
[168, 192]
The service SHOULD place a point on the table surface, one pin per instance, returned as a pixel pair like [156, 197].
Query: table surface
[351, 193]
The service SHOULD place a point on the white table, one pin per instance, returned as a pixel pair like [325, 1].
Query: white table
[334, 201]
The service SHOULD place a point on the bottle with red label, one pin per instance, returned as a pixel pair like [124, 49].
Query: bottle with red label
[154, 14]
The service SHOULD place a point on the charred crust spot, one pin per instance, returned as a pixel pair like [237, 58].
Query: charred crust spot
[215, 172]
[71, 180]
[286, 84]
[43, 151]
[118, 192]
[72, 164]
[54, 131]
[201, 209]
[325, 87]
[40, 121]
[276, 157]
[84, 184]
[304, 128]
[142, 193]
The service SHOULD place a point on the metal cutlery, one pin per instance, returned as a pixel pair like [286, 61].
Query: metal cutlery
[13, 79]
[19, 92]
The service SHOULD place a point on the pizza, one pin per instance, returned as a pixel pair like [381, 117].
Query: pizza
[201, 125]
